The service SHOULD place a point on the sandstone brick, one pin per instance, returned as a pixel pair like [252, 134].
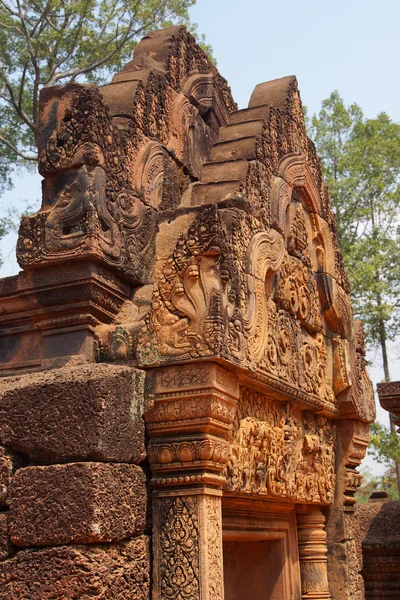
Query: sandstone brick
[78, 503]
[6, 547]
[8, 463]
[91, 412]
[116, 572]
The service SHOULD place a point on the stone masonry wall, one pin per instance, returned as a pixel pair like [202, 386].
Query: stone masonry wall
[73, 496]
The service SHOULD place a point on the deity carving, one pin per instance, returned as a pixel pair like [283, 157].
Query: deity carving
[278, 451]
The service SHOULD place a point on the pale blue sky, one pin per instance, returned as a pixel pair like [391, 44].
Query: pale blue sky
[352, 46]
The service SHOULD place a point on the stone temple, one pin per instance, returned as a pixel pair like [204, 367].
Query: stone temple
[183, 400]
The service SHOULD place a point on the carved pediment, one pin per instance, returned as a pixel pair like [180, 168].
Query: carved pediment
[113, 157]
[220, 214]
[258, 279]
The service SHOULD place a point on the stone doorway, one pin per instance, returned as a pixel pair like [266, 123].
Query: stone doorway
[260, 551]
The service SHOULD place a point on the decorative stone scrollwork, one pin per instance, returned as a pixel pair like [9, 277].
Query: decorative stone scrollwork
[178, 560]
[150, 173]
[264, 257]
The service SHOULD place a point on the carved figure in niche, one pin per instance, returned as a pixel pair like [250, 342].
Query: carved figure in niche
[191, 139]
[81, 209]
[89, 208]
[277, 451]
[298, 238]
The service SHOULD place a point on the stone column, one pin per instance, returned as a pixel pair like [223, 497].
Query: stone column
[312, 553]
[189, 424]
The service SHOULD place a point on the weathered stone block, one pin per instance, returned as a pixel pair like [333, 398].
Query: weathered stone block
[8, 463]
[6, 547]
[91, 412]
[116, 572]
[78, 503]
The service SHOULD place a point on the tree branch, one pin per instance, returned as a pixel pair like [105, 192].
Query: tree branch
[33, 158]
[12, 100]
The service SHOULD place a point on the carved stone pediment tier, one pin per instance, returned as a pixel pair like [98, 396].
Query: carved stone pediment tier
[260, 302]
[249, 272]
[389, 398]
[113, 157]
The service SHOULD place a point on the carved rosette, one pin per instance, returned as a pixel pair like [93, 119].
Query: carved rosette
[312, 554]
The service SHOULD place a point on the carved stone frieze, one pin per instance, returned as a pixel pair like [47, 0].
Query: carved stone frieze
[207, 453]
[278, 451]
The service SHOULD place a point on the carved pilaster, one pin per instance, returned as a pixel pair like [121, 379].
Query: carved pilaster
[189, 424]
[312, 553]
[187, 543]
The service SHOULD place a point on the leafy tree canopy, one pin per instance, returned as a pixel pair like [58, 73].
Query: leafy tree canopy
[361, 161]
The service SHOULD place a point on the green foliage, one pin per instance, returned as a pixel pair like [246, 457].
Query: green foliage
[377, 483]
[7, 224]
[361, 161]
[384, 444]
[49, 42]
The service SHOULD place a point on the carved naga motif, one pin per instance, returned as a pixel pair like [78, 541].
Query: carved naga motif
[192, 301]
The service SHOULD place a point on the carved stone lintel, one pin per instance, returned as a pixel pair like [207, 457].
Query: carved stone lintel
[312, 553]
[277, 450]
[188, 546]
[389, 398]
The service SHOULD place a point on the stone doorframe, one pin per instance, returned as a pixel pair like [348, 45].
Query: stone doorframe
[269, 526]
[192, 409]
